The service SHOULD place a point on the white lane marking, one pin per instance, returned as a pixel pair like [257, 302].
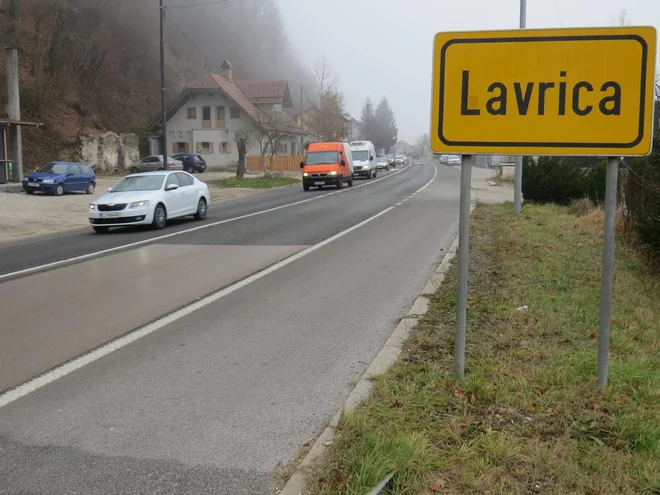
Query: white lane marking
[81, 361]
[77, 363]
[398, 204]
[96, 254]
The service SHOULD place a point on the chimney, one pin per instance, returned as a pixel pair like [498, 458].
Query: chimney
[227, 70]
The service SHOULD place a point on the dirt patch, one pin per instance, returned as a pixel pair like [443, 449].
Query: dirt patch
[22, 215]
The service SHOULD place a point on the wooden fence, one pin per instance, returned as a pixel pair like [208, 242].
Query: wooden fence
[281, 163]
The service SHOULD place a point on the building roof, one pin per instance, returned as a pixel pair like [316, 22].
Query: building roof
[266, 92]
[216, 81]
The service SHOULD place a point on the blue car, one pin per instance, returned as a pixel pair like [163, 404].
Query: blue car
[60, 177]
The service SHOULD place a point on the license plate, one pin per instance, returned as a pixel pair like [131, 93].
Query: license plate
[109, 215]
[33, 184]
[319, 183]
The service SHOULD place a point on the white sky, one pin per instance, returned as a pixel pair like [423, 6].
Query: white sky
[384, 47]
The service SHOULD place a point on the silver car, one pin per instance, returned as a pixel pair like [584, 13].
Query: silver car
[155, 162]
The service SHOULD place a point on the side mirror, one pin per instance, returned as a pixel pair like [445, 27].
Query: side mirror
[302, 164]
[171, 187]
[342, 163]
[371, 158]
[109, 189]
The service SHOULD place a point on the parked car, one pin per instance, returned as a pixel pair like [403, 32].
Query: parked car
[60, 177]
[150, 198]
[363, 154]
[155, 162]
[191, 163]
[382, 163]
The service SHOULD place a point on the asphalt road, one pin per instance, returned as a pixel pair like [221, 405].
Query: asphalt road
[221, 392]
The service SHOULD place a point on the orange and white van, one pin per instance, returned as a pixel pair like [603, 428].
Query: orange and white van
[327, 164]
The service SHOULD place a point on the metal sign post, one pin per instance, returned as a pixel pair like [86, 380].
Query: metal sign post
[463, 257]
[607, 276]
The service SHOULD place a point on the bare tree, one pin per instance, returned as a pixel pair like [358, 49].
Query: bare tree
[323, 78]
[272, 126]
[243, 139]
[622, 19]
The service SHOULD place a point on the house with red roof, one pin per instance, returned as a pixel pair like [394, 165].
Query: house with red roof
[206, 114]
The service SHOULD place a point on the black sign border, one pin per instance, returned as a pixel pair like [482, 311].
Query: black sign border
[511, 39]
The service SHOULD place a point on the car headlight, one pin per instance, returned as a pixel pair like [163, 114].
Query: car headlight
[48, 181]
[92, 207]
[305, 174]
[139, 204]
[334, 172]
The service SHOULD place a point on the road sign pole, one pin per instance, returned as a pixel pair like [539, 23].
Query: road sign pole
[607, 274]
[463, 255]
[517, 177]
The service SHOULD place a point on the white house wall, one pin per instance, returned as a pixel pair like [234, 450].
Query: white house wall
[184, 130]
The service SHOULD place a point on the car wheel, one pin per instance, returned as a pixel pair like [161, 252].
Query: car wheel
[187, 169]
[369, 174]
[90, 188]
[160, 168]
[350, 181]
[101, 230]
[375, 173]
[201, 209]
[59, 190]
[340, 184]
[160, 217]
[305, 187]
[135, 170]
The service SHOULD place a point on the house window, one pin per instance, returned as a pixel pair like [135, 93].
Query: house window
[192, 113]
[220, 117]
[180, 147]
[225, 147]
[293, 148]
[234, 113]
[206, 117]
[285, 149]
[204, 147]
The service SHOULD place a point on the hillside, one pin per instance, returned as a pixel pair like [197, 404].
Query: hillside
[90, 66]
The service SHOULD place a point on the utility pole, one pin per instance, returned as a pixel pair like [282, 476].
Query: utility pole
[13, 92]
[302, 126]
[368, 121]
[162, 81]
[517, 179]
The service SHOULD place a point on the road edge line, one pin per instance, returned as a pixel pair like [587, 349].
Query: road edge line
[83, 360]
[388, 354]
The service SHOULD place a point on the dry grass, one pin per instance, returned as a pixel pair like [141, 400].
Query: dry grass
[528, 416]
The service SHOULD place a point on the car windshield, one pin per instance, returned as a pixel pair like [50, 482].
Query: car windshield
[54, 168]
[360, 156]
[382, 159]
[139, 183]
[321, 158]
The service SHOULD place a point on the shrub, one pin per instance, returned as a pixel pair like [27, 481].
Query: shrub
[581, 207]
[642, 195]
[552, 179]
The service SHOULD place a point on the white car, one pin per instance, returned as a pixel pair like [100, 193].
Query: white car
[453, 160]
[150, 198]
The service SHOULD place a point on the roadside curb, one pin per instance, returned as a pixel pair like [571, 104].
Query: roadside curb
[381, 363]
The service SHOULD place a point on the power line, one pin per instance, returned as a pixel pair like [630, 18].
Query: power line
[196, 4]
[208, 60]
[558, 13]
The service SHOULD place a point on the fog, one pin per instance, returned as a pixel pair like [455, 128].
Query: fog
[384, 47]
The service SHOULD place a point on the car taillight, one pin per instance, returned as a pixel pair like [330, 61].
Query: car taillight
[171, 164]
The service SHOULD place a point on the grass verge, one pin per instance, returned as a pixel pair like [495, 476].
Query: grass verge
[255, 182]
[528, 416]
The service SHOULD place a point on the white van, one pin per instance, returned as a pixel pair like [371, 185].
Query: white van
[364, 159]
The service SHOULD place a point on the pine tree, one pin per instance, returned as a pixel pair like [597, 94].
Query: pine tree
[368, 120]
[385, 131]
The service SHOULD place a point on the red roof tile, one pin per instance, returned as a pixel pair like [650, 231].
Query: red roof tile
[263, 92]
[214, 81]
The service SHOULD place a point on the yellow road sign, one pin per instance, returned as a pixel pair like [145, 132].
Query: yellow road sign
[544, 92]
